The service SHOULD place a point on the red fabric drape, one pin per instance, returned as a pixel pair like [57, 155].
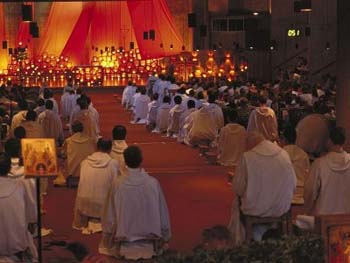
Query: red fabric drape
[23, 35]
[25, 38]
[111, 26]
[146, 15]
[59, 26]
[3, 52]
[76, 48]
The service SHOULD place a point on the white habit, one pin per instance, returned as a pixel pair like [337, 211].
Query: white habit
[97, 174]
[136, 210]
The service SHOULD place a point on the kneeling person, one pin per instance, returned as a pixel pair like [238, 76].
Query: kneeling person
[136, 213]
[97, 174]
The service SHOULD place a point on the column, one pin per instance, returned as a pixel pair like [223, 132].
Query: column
[343, 66]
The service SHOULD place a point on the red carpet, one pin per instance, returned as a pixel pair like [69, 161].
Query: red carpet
[197, 193]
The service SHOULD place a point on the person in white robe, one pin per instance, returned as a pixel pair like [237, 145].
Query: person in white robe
[69, 86]
[136, 95]
[150, 83]
[174, 117]
[66, 103]
[300, 161]
[49, 96]
[184, 120]
[136, 212]
[32, 126]
[128, 94]
[12, 149]
[200, 128]
[118, 147]
[231, 141]
[97, 174]
[216, 110]
[16, 213]
[263, 119]
[264, 184]
[312, 133]
[152, 112]
[156, 85]
[141, 107]
[205, 124]
[51, 123]
[94, 114]
[87, 119]
[77, 148]
[162, 121]
[162, 88]
[19, 117]
[74, 112]
[327, 187]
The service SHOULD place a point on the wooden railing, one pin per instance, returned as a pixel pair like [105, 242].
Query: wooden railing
[290, 59]
[323, 68]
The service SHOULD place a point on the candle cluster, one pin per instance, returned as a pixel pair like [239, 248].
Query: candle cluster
[110, 67]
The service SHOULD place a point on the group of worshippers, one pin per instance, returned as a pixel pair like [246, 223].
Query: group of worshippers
[114, 196]
[279, 138]
[307, 164]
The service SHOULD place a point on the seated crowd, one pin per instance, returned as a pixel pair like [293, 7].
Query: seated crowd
[281, 145]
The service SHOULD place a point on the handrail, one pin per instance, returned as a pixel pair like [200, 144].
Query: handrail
[323, 68]
[291, 58]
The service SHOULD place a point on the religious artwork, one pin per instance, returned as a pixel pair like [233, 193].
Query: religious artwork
[339, 244]
[39, 157]
[335, 231]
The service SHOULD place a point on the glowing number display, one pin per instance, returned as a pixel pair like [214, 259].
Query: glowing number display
[294, 32]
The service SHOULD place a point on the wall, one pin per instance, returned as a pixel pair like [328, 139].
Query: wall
[322, 21]
[179, 10]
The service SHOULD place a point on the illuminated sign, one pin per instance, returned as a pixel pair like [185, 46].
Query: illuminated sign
[294, 32]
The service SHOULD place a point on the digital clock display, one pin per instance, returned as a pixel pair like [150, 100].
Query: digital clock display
[294, 32]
